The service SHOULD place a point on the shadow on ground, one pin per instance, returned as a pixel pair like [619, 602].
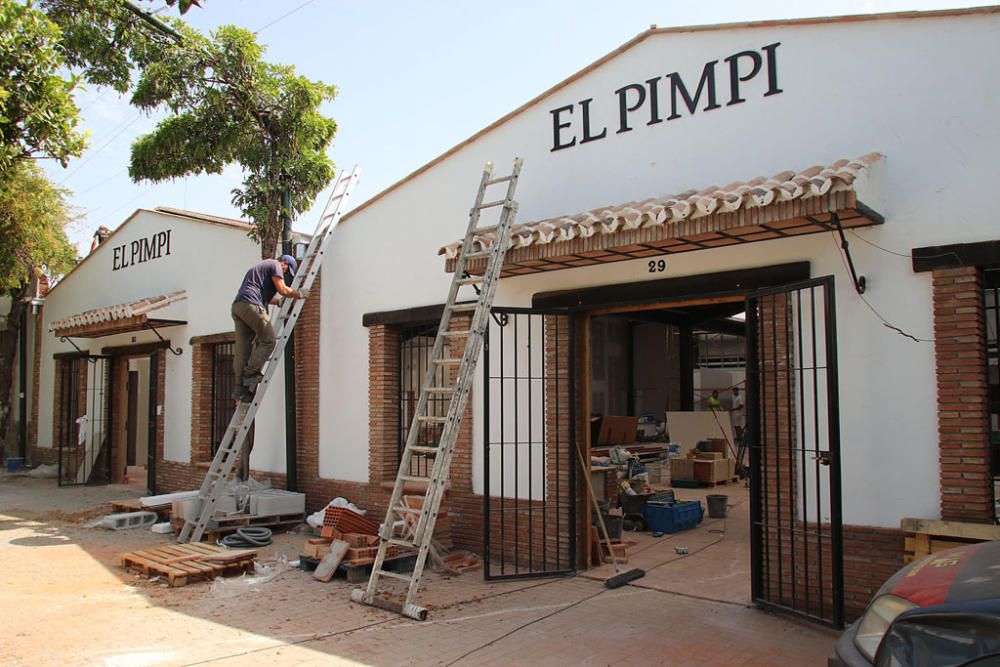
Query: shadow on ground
[55, 572]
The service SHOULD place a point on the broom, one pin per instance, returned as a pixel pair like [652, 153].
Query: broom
[620, 578]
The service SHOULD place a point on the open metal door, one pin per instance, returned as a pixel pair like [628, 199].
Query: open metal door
[529, 473]
[84, 429]
[794, 436]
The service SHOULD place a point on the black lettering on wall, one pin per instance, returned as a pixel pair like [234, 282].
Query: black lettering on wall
[742, 67]
[654, 101]
[772, 69]
[734, 74]
[587, 134]
[557, 127]
[154, 246]
[624, 108]
[705, 85]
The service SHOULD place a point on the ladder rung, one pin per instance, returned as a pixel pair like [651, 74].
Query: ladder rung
[440, 390]
[400, 509]
[395, 575]
[463, 307]
[447, 361]
[412, 478]
[424, 450]
[457, 334]
[479, 254]
[502, 179]
[491, 204]
[431, 420]
[471, 280]
[409, 544]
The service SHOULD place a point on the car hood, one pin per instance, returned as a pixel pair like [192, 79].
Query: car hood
[963, 574]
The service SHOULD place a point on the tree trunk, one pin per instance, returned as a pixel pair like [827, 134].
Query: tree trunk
[8, 352]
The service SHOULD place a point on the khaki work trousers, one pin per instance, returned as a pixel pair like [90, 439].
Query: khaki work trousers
[255, 340]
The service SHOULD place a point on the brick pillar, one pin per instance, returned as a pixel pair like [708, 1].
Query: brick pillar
[201, 403]
[963, 409]
[307, 365]
[383, 403]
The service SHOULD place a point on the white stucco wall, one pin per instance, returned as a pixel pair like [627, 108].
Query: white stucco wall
[206, 260]
[920, 91]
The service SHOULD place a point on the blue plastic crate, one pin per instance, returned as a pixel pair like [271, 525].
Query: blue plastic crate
[670, 516]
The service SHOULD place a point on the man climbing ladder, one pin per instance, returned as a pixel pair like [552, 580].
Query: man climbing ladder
[255, 338]
[420, 538]
[232, 443]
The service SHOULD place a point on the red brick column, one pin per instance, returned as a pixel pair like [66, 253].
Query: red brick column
[307, 365]
[201, 403]
[383, 402]
[963, 410]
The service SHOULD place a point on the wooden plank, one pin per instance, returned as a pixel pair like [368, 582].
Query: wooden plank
[232, 556]
[921, 544]
[970, 531]
[331, 561]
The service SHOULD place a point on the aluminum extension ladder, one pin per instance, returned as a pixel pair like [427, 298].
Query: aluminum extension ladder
[485, 285]
[233, 441]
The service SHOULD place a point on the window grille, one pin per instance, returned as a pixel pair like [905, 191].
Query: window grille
[223, 382]
[415, 346]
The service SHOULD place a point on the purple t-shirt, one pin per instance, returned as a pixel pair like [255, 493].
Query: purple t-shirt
[258, 284]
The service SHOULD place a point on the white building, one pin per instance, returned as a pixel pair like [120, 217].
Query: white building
[688, 176]
[139, 329]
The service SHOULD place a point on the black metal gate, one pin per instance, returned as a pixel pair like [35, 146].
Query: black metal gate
[529, 473]
[794, 435]
[84, 433]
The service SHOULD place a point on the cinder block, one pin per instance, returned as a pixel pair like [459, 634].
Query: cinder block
[128, 520]
[273, 502]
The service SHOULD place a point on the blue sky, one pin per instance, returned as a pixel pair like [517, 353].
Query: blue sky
[414, 79]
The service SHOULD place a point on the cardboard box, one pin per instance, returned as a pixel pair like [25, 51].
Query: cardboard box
[716, 470]
[715, 445]
[709, 456]
[614, 430]
[681, 469]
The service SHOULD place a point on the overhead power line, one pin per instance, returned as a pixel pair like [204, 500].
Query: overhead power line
[283, 17]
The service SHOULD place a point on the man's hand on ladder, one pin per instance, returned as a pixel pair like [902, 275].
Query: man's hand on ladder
[302, 293]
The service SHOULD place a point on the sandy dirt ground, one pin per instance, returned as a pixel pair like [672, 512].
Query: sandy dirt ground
[66, 600]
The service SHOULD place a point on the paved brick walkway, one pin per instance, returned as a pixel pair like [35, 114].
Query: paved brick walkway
[73, 605]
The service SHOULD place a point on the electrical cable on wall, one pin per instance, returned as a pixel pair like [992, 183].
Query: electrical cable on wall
[886, 323]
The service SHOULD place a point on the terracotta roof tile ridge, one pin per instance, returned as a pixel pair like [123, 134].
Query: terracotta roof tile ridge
[120, 310]
[784, 186]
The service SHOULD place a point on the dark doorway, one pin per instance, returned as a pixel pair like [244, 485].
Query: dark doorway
[794, 436]
[84, 431]
[132, 418]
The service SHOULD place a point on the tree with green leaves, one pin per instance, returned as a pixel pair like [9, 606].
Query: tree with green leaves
[38, 116]
[33, 218]
[227, 106]
[230, 106]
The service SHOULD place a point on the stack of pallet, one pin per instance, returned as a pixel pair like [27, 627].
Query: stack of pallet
[927, 536]
[181, 563]
[348, 542]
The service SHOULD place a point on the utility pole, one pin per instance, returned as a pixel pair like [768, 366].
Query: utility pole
[291, 439]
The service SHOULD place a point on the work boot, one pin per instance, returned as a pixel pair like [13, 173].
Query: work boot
[252, 380]
[241, 393]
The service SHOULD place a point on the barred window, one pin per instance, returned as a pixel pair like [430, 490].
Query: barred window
[223, 405]
[415, 346]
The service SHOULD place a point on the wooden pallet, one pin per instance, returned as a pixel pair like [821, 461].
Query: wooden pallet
[929, 536]
[180, 563]
[356, 573]
[694, 484]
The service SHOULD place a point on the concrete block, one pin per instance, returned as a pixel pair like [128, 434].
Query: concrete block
[273, 502]
[128, 520]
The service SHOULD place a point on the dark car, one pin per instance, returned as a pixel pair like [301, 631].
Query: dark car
[941, 610]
